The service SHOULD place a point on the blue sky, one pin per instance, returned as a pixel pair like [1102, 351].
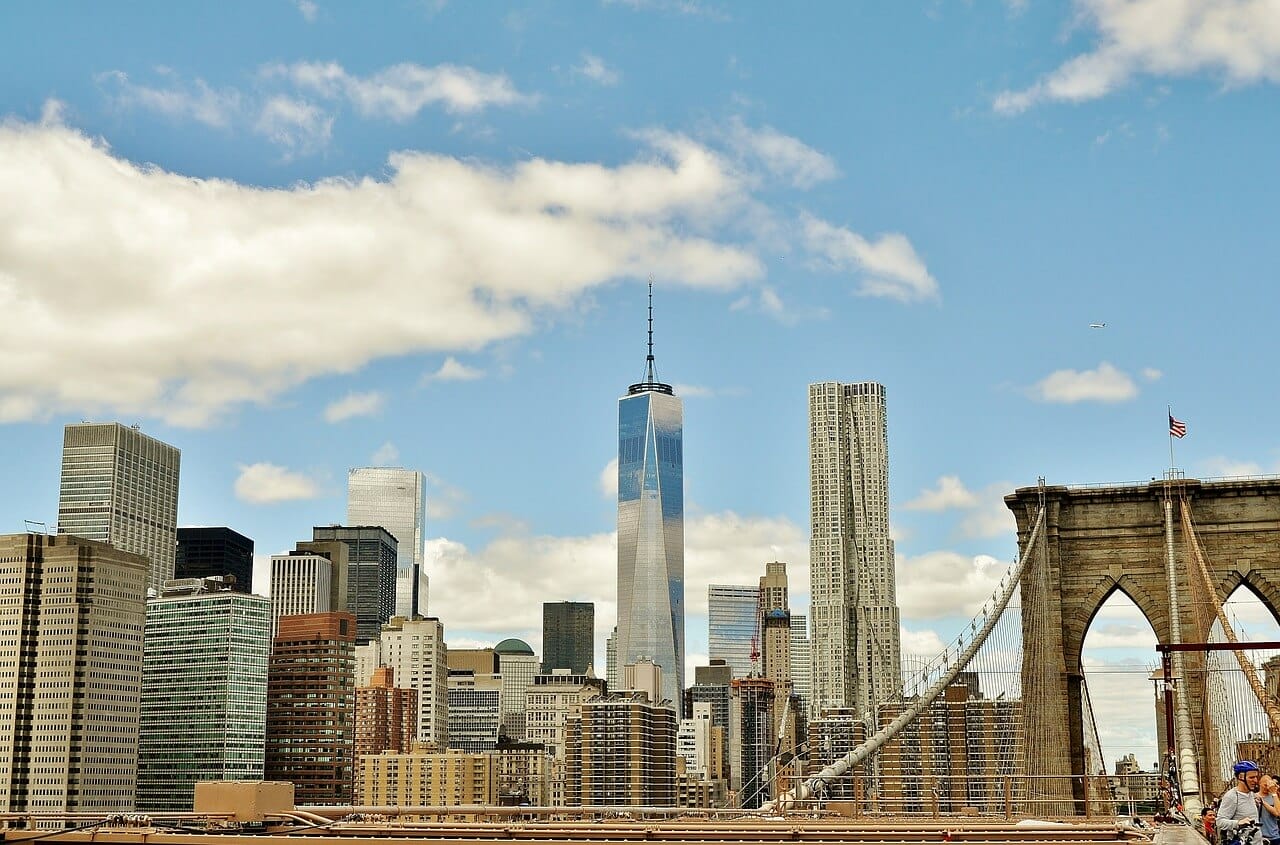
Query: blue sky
[292, 238]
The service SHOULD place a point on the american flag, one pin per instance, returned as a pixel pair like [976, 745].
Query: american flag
[1177, 428]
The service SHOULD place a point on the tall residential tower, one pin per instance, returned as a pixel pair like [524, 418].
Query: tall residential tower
[120, 486]
[853, 602]
[651, 527]
[395, 499]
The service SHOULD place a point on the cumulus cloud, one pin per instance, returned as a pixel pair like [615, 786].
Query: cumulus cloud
[296, 125]
[609, 480]
[990, 517]
[594, 68]
[308, 9]
[355, 405]
[1104, 384]
[266, 484]
[888, 265]
[1224, 467]
[944, 583]
[950, 494]
[528, 570]
[454, 370]
[177, 99]
[109, 268]
[401, 91]
[1151, 374]
[1237, 41]
[783, 156]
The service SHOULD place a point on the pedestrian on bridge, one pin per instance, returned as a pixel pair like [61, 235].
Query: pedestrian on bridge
[1238, 808]
[1269, 809]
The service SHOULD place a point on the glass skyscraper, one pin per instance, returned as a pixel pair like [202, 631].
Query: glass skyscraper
[651, 528]
[204, 691]
[732, 625]
[395, 499]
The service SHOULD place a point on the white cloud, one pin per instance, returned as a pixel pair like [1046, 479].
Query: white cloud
[1151, 374]
[453, 370]
[53, 112]
[386, 455]
[594, 68]
[1104, 384]
[924, 644]
[950, 494]
[196, 101]
[529, 570]
[1224, 467]
[990, 516]
[401, 91]
[766, 300]
[265, 484]
[1237, 41]
[783, 156]
[355, 405]
[295, 125]
[609, 480]
[889, 264]
[695, 8]
[944, 583]
[134, 261]
[308, 9]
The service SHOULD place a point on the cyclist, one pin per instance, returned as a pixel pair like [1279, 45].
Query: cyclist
[1238, 808]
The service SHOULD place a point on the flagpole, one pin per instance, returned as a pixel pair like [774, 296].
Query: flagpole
[1169, 408]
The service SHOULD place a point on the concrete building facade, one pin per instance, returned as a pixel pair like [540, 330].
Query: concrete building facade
[72, 615]
[120, 486]
[621, 751]
[416, 650]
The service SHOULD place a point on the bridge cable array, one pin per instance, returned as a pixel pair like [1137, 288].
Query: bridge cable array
[990, 615]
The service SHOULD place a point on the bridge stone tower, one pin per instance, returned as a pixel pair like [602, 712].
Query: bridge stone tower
[1107, 538]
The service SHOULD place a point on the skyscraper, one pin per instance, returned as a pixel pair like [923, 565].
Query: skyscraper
[120, 486]
[372, 560]
[311, 707]
[415, 650]
[800, 671]
[71, 647]
[568, 636]
[396, 499]
[855, 645]
[213, 552]
[204, 690]
[651, 527]
[732, 625]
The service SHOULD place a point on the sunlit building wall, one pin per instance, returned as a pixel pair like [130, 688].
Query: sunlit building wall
[651, 531]
[855, 644]
[120, 486]
[395, 499]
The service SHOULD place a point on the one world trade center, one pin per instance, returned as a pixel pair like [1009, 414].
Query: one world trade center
[651, 527]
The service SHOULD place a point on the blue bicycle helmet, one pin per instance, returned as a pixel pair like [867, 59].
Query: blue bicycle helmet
[1243, 767]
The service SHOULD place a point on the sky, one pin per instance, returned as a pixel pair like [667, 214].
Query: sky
[291, 238]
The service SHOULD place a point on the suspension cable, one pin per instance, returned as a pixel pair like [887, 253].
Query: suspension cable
[1246, 666]
[805, 789]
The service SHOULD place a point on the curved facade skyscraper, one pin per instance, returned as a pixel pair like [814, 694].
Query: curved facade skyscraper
[651, 528]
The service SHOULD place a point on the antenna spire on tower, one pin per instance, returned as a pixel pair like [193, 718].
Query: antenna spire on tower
[650, 382]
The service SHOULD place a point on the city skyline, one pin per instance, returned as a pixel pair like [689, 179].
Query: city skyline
[904, 193]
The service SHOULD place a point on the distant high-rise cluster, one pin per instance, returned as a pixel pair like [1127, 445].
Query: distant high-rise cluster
[853, 610]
